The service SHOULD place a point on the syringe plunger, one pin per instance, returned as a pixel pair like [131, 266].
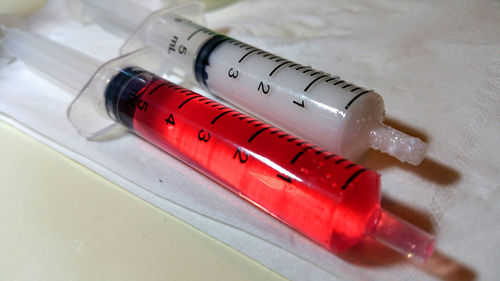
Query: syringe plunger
[53, 59]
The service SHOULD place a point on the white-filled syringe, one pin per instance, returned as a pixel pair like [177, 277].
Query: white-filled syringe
[314, 105]
[327, 198]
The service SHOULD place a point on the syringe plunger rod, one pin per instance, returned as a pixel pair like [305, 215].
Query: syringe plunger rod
[117, 17]
[51, 58]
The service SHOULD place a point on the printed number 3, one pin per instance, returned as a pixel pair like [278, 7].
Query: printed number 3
[232, 73]
[203, 137]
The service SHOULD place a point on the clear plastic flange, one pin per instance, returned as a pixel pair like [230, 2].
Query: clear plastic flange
[151, 31]
[88, 112]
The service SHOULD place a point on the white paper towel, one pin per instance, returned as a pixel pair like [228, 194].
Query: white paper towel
[437, 66]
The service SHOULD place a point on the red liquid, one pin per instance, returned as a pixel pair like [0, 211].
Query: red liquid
[327, 198]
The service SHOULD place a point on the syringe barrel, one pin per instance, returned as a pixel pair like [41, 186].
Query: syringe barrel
[314, 105]
[327, 198]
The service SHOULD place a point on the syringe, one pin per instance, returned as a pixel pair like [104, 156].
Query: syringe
[314, 105]
[327, 198]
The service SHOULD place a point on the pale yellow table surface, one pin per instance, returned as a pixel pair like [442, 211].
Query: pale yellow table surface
[61, 221]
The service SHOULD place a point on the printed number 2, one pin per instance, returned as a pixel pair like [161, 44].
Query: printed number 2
[243, 157]
[263, 88]
[232, 73]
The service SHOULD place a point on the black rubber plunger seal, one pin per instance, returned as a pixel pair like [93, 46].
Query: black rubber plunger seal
[121, 94]
[202, 59]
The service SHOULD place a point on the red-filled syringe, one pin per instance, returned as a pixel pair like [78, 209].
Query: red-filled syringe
[327, 198]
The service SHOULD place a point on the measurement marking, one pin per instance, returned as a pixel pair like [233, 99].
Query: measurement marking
[223, 107]
[282, 136]
[278, 60]
[352, 178]
[292, 139]
[273, 57]
[191, 93]
[173, 85]
[300, 154]
[277, 67]
[321, 151]
[350, 166]
[274, 132]
[257, 133]
[330, 79]
[215, 105]
[299, 68]
[285, 178]
[338, 82]
[353, 99]
[250, 121]
[220, 115]
[299, 104]
[234, 115]
[301, 143]
[209, 102]
[192, 34]
[292, 65]
[317, 72]
[266, 55]
[306, 71]
[355, 89]
[178, 88]
[260, 52]
[182, 104]
[343, 87]
[246, 55]
[244, 117]
[260, 124]
[202, 99]
[184, 91]
[340, 161]
[314, 81]
[157, 87]
[330, 156]
[248, 48]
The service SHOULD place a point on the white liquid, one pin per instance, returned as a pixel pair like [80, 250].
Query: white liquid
[317, 114]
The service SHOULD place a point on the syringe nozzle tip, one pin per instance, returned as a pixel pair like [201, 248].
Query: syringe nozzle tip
[398, 144]
[403, 237]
